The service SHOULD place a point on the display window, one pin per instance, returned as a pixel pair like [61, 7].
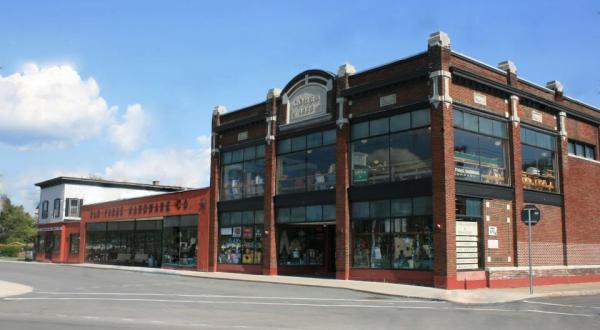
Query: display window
[74, 244]
[539, 163]
[180, 240]
[394, 148]
[119, 242]
[243, 173]
[95, 242]
[241, 237]
[300, 245]
[306, 163]
[392, 234]
[480, 148]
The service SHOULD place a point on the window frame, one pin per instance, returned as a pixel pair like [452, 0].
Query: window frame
[56, 208]
[587, 147]
[45, 206]
[553, 150]
[249, 154]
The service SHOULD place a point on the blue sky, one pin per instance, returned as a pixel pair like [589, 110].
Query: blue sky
[139, 78]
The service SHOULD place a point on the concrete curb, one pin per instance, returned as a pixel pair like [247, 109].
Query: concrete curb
[9, 289]
[466, 297]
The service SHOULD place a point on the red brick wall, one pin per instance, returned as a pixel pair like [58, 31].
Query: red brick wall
[494, 103]
[549, 121]
[409, 93]
[498, 213]
[547, 238]
[582, 131]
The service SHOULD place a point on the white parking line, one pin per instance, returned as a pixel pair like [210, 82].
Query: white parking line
[236, 297]
[558, 305]
[557, 313]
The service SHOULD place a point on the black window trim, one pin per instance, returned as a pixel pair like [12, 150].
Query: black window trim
[584, 144]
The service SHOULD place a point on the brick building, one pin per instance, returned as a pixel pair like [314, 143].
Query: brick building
[415, 171]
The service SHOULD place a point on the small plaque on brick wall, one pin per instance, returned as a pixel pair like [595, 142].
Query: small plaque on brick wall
[536, 116]
[492, 243]
[387, 100]
[479, 98]
[492, 230]
[243, 136]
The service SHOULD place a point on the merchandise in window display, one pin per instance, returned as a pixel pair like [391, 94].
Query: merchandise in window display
[301, 246]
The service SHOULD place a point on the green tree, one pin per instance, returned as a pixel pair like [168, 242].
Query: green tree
[16, 225]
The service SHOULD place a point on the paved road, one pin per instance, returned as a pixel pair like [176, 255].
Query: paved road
[72, 298]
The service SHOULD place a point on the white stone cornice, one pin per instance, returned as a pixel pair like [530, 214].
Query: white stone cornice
[346, 69]
[341, 121]
[555, 85]
[439, 39]
[219, 110]
[562, 124]
[514, 110]
[508, 66]
[273, 93]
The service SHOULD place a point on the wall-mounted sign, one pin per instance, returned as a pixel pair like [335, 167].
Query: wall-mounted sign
[467, 245]
[49, 229]
[492, 230]
[309, 101]
[492, 244]
[466, 228]
[536, 116]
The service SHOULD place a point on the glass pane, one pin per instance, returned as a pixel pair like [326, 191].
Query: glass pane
[466, 155]
[590, 152]
[329, 137]
[400, 122]
[458, 118]
[236, 218]
[254, 172]
[473, 207]
[189, 220]
[291, 172]
[329, 212]
[471, 122]
[248, 218]
[299, 143]
[298, 214]
[420, 118]
[314, 213]
[259, 216]
[370, 159]
[238, 156]
[493, 165]
[410, 155]
[380, 209]
[360, 210]
[320, 168]
[284, 146]
[249, 153]
[486, 126]
[401, 207]
[500, 129]
[539, 170]
[571, 148]
[232, 181]
[545, 141]
[579, 150]
[224, 219]
[360, 130]
[313, 140]
[379, 126]
[283, 215]
[260, 151]
[226, 157]
[422, 205]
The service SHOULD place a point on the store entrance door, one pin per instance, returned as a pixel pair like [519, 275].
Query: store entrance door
[306, 249]
[48, 245]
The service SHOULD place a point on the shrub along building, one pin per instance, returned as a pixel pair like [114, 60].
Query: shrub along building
[415, 171]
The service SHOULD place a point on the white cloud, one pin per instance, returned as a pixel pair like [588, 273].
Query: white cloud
[53, 105]
[171, 166]
[131, 132]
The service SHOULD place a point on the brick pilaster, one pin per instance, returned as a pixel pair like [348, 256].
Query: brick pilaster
[269, 240]
[215, 184]
[343, 230]
[442, 153]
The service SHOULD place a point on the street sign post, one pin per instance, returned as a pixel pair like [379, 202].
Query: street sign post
[530, 216]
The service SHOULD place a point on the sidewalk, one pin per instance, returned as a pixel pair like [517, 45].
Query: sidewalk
[478, 296]
[8, 289]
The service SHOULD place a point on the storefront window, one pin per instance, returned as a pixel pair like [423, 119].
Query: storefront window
[391, 149]
[95, 242]
[180, 240]
[538, 153]
[300, 245]
[148, 240]
[393, 234]
[119, 242]
[241, 237]
[243, 173]
[306, 163]
[74, 244]
[480, 149]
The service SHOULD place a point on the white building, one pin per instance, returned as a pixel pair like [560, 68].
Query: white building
[61, 198]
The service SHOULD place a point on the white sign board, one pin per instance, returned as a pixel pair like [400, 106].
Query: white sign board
[492, 244]
[492, 230]
[467, 228]
[307, 102]
[536, 116]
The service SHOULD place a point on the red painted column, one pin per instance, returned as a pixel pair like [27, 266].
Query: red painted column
[269, 240]
[203, 243]
[343, 229]
[215, 184]
[82, 236]
[442, 154]
[62, 257]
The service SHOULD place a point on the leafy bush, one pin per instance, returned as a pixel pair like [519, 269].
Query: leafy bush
[9, 250]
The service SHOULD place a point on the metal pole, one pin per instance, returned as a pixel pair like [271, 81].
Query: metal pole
[530, 267]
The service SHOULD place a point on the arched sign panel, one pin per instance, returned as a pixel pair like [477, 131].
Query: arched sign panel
[307, 102]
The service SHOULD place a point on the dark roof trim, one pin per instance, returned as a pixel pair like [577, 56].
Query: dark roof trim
[105, 183]
[523, 95]
[249, 120]
[384, 83]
